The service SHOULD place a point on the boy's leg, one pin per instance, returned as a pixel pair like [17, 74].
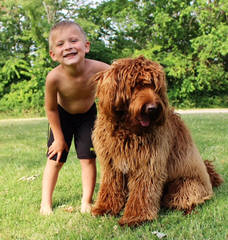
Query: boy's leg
[50, 177]
[89, 172]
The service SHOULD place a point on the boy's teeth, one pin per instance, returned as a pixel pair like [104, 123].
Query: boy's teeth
[73, 53]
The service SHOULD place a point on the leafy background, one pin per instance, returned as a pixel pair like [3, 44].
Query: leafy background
[188, 37]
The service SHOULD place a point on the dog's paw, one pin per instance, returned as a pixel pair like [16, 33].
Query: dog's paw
[96, 211]
[129, 222]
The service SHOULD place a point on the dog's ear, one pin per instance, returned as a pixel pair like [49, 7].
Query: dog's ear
[159, 82]
[106, 90]
[161, 89]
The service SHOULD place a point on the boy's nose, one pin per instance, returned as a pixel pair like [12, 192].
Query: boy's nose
[68, 45]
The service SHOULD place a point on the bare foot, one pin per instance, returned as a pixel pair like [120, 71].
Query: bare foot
[46, 210]
[86, 207]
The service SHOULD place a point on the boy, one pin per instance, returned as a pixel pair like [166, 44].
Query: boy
[70, 109]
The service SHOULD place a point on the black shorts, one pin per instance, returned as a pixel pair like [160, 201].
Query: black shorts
[80, 127]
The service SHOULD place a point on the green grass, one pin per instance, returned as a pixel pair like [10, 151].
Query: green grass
[21, 114]
[22, 154]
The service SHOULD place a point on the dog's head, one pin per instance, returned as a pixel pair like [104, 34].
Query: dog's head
[132, 92]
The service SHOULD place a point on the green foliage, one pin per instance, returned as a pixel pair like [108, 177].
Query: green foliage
[24, 69]
[189, 38]
[13, 71]
[23, 95]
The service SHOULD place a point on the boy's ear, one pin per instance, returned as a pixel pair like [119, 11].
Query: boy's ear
[52, 55]
[87, 46]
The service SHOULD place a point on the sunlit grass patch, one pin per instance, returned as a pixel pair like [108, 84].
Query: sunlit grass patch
[22, 161]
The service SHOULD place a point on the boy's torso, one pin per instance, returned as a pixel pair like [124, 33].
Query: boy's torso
[76, 94]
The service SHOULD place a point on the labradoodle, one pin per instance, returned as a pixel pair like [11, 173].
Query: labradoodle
[147, 156]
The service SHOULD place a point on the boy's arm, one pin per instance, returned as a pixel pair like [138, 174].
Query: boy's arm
[51, 107]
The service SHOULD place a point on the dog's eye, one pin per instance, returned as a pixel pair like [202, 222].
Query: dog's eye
[144, 85]
[147, 85]
[119, 112]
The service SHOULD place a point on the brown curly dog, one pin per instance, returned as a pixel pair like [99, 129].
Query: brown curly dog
[147, 156]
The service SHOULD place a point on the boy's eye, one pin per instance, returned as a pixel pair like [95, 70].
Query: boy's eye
[74, 40]
[59, 44]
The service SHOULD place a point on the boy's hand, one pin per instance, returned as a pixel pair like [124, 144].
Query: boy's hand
[57, 147]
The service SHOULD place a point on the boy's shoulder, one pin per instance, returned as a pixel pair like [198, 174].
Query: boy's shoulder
[96, 65]
[54, 74]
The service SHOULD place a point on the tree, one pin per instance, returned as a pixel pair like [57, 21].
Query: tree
[188, 37]
[24, 53]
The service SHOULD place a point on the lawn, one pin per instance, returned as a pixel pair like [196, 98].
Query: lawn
[22, 160]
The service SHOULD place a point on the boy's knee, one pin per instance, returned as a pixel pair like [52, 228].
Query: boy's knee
[55, 163]
[88, 161]
[85, 163]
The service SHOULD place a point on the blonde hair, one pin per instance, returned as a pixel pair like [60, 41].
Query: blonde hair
[64, 24]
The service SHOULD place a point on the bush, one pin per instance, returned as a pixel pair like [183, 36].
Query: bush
[25, 95]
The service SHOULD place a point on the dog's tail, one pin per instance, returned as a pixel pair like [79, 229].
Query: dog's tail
[216, 179]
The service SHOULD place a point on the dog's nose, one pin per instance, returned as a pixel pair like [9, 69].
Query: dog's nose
[150, 108]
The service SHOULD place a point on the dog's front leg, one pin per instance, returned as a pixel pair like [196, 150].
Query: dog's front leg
[112, 194]
[144, 199]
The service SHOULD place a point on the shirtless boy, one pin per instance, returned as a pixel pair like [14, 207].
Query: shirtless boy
[70, 109]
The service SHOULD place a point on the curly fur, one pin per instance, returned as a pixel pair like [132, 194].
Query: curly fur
[146, 152]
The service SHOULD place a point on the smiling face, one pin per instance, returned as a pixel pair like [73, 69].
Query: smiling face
[68, 45]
